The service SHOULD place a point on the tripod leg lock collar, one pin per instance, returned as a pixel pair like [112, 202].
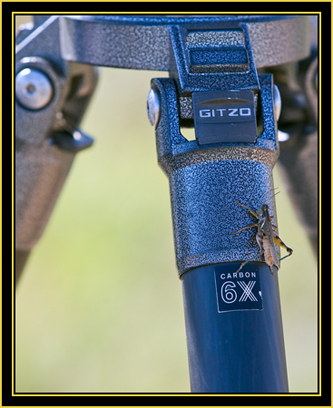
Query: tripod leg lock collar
[206, 180]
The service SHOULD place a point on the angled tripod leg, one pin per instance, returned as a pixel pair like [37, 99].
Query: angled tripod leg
[47, 135]
[298, 159]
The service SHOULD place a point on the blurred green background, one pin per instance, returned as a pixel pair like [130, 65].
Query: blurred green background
[99, 305]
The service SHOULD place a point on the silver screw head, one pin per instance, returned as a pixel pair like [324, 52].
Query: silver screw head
[33, 89]
[153, 107]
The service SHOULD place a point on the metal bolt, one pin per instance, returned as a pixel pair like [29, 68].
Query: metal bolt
[276, 102]
[283, 136]
[33, 89]
[153, 107]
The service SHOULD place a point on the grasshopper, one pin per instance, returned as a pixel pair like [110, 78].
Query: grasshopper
[266, 237]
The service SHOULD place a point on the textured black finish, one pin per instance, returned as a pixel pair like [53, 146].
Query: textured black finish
[206, 180]
[206, 68]
[41, 167]
[143, 42]
[240, 351]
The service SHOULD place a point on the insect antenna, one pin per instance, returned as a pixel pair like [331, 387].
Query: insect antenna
[269, 191]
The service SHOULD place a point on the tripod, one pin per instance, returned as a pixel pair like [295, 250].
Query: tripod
[204, 213]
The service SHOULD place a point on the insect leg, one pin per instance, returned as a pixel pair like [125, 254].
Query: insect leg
[284, 257]
[243, 264]
[279, 242]
[259, 239]
[265, 247]
[249, 209]
[245, 228]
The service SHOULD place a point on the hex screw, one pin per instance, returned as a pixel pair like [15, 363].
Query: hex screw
[33, 89]
[153, 107]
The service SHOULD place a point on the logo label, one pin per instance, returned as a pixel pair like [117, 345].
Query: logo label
[238, 291]
[224, 113]
[224, 116]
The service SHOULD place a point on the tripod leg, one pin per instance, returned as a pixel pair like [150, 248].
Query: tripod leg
[298, 159]
[21, 258]
[47, 136]
[204, 185]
